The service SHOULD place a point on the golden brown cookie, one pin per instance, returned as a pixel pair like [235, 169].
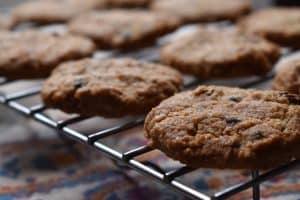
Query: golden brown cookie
[51, 11]
[212, 52]
[203, 10]
[110, 88]
[280, 25]
[288, 77]
[219, 127]
[34, 54]
[123, 29]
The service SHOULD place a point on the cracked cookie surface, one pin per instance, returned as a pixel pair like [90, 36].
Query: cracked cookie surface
[34, 54]
[288, 77]
[203, 10]
[212, 52]
[279, 25]
[220, 127]
[110, 88]
[123, 29]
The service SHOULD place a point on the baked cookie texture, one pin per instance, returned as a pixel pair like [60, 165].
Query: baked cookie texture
[288, 77]
[219, 127]
[34, 54]
[123, 29]
[280, 25]
[212, 52]
[52, 11]
[110, 88]
[190, 11]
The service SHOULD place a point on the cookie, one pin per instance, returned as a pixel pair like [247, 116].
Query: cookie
[34, 54]
[123, 29]
[288, 77]
[280, 25]
[109, 88]
[220, 53]
[190, 11]
[52, 11]
[219, 127]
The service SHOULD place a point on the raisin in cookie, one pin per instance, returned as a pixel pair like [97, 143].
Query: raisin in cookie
[280, 25]
[51, 11]
[288, 77]
[34, 54]
[219, 127]
[123, 29]
[109, 88]
[203, 10]
[220, 53]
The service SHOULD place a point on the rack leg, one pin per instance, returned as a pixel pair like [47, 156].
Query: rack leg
[255, 188]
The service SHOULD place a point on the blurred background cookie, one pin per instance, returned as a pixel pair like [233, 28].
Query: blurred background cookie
[52, 11]
[212, 52]
[34, 54]
[279, 25]
[203, 10]
[123, 29]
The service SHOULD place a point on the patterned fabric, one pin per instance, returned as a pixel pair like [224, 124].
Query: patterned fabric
[36, 164]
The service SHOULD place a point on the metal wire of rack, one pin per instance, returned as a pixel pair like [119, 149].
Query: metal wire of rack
[128, 158]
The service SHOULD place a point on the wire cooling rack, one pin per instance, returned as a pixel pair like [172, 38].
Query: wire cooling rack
[129, 159]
